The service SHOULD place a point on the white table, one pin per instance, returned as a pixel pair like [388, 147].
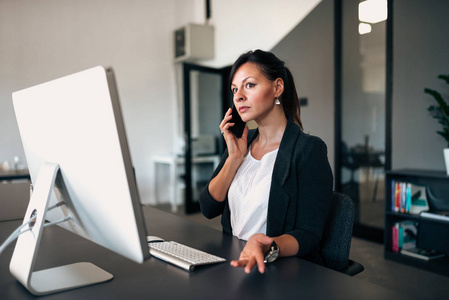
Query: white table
[174, 163]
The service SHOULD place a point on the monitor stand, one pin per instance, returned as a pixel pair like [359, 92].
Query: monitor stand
[24, 257]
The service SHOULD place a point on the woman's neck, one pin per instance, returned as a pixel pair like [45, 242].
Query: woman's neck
[269, 137]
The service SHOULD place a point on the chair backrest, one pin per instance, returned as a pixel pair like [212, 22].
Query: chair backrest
[336, 241]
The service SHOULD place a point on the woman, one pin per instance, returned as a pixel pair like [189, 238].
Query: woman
[274, 184]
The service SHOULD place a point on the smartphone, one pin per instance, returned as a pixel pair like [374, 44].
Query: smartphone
[239, 125]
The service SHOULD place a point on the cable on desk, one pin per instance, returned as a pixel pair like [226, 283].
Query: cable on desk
[18, 231]
[16, 234]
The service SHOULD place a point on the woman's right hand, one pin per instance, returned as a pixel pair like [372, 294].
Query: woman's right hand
[237, 147]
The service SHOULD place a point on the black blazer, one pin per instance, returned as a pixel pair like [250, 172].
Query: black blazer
[300, 194]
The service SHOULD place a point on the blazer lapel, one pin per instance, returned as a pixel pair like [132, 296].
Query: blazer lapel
[286, 149]
[279, 199]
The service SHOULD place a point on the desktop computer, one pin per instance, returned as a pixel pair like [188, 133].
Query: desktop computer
[76, 149]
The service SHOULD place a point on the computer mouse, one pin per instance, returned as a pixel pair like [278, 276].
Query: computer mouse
[154, 239]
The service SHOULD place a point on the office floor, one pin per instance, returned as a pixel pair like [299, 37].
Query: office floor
[417, 283]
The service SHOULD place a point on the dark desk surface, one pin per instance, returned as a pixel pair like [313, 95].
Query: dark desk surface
[287, 278]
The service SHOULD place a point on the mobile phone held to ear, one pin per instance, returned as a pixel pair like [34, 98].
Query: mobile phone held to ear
[239, 125]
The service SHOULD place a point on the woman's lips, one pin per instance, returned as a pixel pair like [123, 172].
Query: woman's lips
[243, 109]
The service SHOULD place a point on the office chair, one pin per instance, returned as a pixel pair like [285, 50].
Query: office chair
[337, 235]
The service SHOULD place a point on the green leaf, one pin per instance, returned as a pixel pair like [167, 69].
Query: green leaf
[444, 77]
[440, 112]
[439, 99]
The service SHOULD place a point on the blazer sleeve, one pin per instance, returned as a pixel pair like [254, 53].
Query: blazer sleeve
[314, 196]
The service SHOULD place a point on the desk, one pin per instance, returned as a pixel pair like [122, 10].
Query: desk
[287, 278]
[174, 163]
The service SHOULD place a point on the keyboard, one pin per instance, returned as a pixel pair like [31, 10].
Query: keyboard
[182, 256]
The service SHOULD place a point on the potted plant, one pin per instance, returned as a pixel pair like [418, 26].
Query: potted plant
[440, 112]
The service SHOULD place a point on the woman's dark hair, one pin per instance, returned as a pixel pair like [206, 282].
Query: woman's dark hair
[274, 68]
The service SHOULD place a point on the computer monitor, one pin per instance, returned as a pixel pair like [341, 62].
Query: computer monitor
[77, 154]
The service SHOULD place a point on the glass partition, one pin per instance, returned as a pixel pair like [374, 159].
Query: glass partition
[363, 110]
[205, 99]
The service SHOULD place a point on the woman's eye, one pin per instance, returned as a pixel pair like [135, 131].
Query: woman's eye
[250, 85]
[234, 90]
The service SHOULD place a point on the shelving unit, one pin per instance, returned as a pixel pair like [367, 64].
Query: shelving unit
[432, 234]
[14, 194]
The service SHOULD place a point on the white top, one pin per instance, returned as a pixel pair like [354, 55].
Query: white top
[248, 195]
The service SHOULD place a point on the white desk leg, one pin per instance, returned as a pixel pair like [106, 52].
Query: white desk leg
[173, 186]
[154, 183]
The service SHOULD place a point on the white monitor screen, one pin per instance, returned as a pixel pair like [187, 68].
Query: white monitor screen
[76, 122]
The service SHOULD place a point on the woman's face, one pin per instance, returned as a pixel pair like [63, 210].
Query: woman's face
[254, 93]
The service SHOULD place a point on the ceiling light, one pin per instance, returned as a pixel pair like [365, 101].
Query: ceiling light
[373, 11]
[364, 28]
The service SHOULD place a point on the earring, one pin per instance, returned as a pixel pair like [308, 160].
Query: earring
[277, 101]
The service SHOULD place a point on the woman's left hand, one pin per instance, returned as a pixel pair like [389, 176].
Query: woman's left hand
[254, 253]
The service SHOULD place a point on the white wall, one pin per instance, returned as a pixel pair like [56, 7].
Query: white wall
[308, 50]
[420, 46]
[253, 24]
[41, 40]
[46, 39]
